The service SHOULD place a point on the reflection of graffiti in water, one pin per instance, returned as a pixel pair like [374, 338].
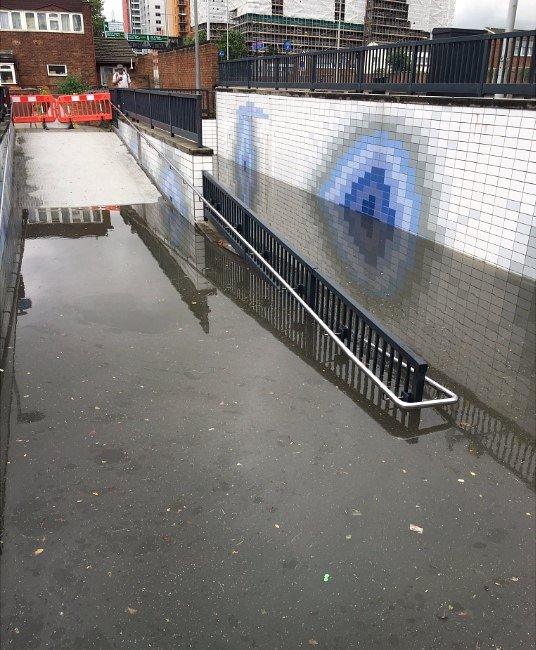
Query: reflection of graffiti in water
[377, 256]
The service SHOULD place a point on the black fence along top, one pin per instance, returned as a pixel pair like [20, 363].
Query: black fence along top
[479, 65]
[176, 112]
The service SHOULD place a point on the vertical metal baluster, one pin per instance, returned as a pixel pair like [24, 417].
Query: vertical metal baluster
[398, 373]
[376, 352]
[391, 364]
[369, 346]
[362, 339]
[407, 377]
[383, 358]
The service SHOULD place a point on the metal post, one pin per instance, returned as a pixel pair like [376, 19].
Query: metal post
[227, 30]
[338, 46]
[511, 16]
[199, 119]
[196, 46]
[169, 114]
[510, 24]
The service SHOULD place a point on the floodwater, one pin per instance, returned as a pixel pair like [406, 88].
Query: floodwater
[188, 467]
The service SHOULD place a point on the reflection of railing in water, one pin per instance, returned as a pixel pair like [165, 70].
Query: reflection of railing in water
[195, 299]
[288, 321]
[67, 222]
[397, 367]
[486, 431]
[494, 435]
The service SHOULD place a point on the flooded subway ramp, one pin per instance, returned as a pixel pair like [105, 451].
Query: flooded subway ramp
[191, 466]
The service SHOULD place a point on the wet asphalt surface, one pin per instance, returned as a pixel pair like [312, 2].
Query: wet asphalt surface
[182, 477]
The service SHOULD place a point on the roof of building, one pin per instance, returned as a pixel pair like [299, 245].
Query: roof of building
[108, 50]
[35, 5]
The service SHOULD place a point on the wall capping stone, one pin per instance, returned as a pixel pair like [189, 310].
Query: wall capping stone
[187, 146]
[504, 102]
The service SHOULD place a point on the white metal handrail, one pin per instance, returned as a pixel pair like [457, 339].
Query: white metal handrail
[450, 398]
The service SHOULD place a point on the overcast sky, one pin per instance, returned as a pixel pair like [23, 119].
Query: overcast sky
[469, 13]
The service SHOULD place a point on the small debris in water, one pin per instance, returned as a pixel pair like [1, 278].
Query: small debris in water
[327, 577]
[38, 551]
[461, 480]
[348, 537]
[132, 611]
[416, 529]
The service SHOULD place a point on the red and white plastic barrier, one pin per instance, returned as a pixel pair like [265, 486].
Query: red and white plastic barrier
[85, 107]
[67, 109]
[30, 109]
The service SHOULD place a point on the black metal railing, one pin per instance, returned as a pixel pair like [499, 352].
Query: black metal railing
[479, 65]
[4, 96]
[10, 231]
[388, 358]
[208, 99]
[176, 113]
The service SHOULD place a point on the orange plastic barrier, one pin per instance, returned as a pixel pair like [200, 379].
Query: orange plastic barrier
[33, 109]
[85, 107]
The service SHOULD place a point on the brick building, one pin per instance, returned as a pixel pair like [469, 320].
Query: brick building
[43, 41]
[176, 69]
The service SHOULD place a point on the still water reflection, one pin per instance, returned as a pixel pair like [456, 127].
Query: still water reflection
[473, 323]
[198, 267]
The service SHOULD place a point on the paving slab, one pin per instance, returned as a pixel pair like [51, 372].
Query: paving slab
[71, 168]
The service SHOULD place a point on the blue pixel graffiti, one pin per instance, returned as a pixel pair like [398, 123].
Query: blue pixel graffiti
[375, 177]
[246, 149]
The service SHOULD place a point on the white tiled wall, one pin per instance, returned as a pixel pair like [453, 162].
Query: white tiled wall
[465, 175]
[166, 179]
[210, 135]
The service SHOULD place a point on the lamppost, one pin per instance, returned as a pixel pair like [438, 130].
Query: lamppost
[227, 30]
[505, 55]
[196, 49]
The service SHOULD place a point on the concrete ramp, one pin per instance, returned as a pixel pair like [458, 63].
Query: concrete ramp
[78, 168]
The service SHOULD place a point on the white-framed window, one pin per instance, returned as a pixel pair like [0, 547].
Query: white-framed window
[16, 20]
[54, 22]
[56, 70]
[7, 74]
[41, 21]
[78, 23]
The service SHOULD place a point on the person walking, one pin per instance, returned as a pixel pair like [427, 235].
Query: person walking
[121, 78]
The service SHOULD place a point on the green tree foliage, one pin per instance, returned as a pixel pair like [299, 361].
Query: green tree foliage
[237, 45]
[72, 85]
[190, 40]
[97, 16]
[399, 62]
